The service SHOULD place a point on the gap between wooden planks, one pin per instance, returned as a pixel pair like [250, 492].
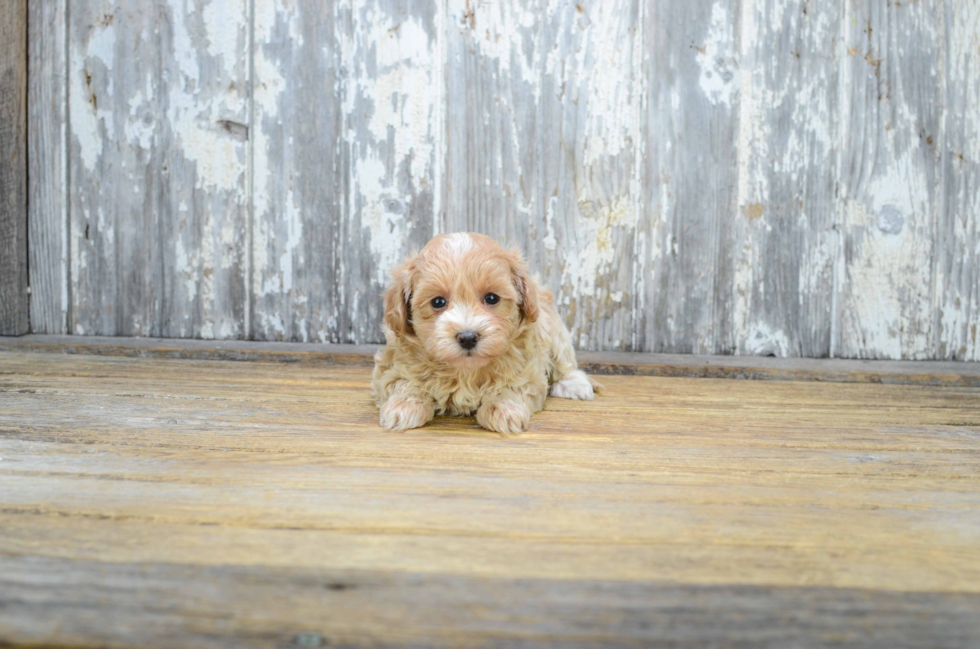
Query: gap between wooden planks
[239, 483]
[939, 373]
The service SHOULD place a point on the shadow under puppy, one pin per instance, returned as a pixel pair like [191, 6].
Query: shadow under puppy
[468, 332]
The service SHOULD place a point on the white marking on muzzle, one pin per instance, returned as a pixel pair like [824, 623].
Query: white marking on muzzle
[463, 318]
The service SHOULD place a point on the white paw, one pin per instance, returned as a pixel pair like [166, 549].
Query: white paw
[507, 417]
[575, 385]
[401, 414]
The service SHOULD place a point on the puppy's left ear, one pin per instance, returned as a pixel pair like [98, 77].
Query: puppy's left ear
[398, 299]
[526, 287]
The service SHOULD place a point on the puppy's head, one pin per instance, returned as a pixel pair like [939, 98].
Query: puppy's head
[464, 297]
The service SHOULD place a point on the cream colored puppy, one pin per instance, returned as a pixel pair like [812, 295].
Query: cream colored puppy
[469, 332]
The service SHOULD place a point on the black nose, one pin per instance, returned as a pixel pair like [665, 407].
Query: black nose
[467, 339]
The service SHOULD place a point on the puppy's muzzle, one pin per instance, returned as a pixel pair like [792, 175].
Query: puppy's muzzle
[467, 339]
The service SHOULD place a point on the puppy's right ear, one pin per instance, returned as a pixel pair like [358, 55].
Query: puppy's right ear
[398, 299]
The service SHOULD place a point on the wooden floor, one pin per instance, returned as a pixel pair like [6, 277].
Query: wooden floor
[181, 503]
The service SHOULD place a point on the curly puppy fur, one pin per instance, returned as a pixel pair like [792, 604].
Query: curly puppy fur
[460, 287]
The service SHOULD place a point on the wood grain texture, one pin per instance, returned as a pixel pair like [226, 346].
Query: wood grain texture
[49, 600]
[298, 172]
[346, 121]
[834, 370]
[708, 176]
[48, 168]
[893, 73]
[785, 233]
[393, 110]
[543, 121]
[195, 501]
[158, 113]
[14, 307]
[958, 243]
[690, 177]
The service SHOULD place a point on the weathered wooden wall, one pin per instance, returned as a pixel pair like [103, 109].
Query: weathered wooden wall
[780, 177]
[13, 168]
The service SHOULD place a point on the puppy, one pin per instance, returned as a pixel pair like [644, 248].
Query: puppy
[469, 332]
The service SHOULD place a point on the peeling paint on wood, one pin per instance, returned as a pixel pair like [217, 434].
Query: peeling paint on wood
[779, 177]
[158, 201]
[543, 139]
[784, 238]
[393, 108]
[346, 125]
[893, 74]
[297, 174]
[690, 177]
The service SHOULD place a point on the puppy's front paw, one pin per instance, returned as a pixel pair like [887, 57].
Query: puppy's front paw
[575, 385]
[401, 414]
[507, 417]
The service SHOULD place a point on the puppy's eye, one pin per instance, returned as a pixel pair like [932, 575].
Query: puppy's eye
[491, 298]
[438, 302]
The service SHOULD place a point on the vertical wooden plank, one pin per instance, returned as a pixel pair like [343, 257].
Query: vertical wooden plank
[543, 136]
[890, 177]
[784, 236]
[393, 111]
[346, 117]
[298, 171]
[96, 192]
[13, 168]
[690, 178]
[494, 75]
[48, 171]
[203, 205]
[958, 282]
[158, 115]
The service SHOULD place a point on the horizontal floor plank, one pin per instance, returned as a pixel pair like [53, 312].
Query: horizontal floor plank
[214, 502]
[939, 373]
[56, 602]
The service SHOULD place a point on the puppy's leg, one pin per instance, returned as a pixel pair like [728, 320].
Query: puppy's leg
[569, 381]
[509, 411]
[575, 385]
[406, 408]
[507, 414]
